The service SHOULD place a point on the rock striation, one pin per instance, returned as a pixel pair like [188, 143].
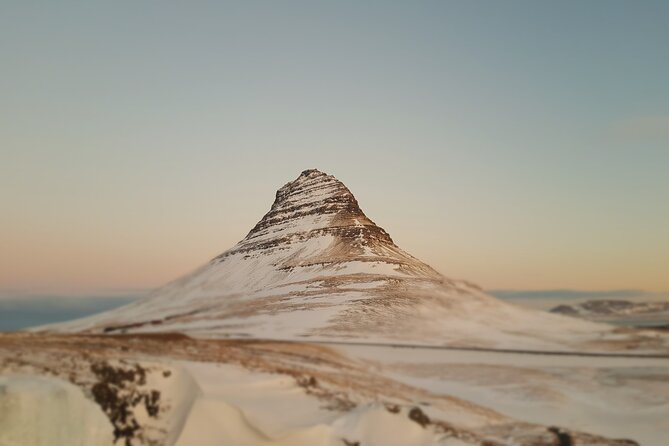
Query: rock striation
[313, 206]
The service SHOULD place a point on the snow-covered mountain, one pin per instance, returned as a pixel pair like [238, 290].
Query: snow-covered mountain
[316, 267]
[613, 308]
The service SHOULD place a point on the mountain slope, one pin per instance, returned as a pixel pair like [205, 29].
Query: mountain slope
[316, 267]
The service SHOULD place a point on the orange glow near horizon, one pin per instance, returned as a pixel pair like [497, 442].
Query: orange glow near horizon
[132, 154]
[79, 257]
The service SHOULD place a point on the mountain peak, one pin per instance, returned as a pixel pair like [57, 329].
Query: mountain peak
[313, 205]
[312, 173]
[312, 187]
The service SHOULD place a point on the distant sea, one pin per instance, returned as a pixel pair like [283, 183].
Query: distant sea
[21, 312]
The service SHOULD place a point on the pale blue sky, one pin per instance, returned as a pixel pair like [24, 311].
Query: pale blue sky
[514, 144]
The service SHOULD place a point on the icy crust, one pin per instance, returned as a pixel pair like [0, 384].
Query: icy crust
[44, 411]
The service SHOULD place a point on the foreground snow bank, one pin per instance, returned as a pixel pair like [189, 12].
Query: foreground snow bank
[43, 411]
[252, 408]
[215, 422]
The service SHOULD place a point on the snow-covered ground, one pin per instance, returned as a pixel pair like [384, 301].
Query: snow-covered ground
[611, 396]
[182, 391]
[229, 354]
[46, 411]
[256, 409]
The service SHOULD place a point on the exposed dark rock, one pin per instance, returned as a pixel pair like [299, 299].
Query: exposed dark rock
[118, 392]
[563, 437]
[313, 193]
[564, 309]
[417, 415]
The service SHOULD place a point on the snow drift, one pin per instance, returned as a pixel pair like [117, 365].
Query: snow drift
[42, 411]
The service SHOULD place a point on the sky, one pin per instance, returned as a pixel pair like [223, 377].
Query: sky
[518, 144]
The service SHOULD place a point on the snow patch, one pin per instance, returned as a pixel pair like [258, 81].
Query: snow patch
[42, 411]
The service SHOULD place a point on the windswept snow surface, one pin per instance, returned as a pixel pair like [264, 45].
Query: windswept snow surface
[316, 267]
[45, 411]
[615, 397]
[257, 393]
[261, 409]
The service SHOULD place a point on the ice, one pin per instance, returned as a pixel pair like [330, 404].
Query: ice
[42, 411]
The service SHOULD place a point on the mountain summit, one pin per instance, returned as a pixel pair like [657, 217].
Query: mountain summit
[317, 219]
[315, 266]
[311, 203]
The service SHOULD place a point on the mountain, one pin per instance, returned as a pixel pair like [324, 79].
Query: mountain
[613, 308]
[316, 267]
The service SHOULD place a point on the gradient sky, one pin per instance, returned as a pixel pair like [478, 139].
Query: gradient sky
[515, 144]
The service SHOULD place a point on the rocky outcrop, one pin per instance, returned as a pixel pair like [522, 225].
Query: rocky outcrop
[313, 206]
